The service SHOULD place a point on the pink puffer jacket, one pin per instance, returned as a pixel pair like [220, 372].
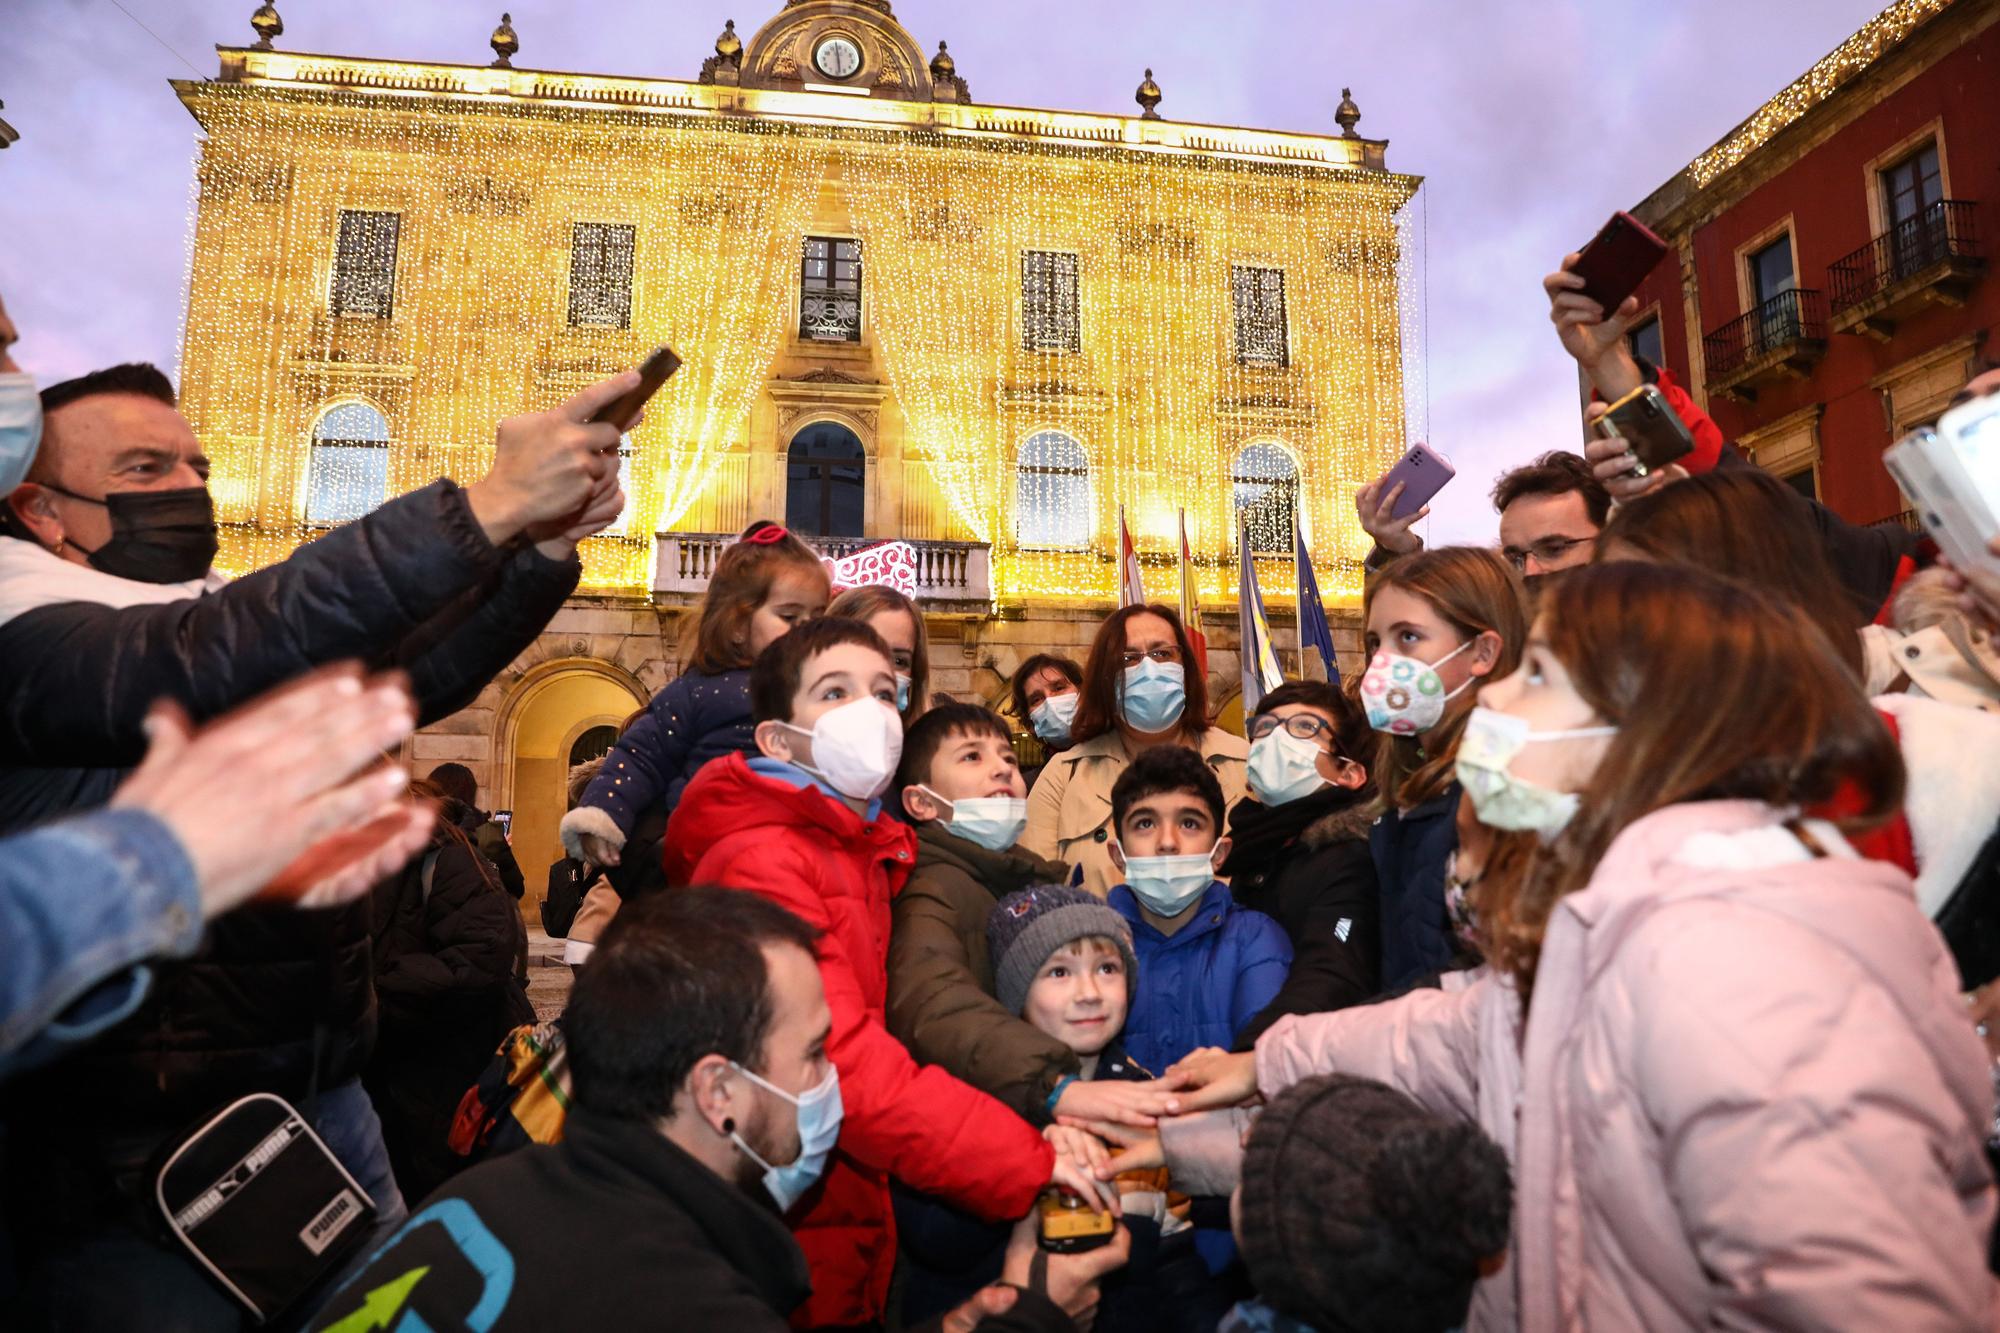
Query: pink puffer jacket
[1749, 1096]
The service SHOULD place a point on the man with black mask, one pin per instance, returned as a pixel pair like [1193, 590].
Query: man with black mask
[107, 603]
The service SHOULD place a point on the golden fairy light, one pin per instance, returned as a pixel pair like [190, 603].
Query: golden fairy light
[387, 258]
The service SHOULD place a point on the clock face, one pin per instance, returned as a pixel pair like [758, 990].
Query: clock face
[837, 57]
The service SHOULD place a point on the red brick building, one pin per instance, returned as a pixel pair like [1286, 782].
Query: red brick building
[1832, 284]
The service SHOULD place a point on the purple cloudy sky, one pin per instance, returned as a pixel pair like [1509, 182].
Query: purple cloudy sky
[1532, 119]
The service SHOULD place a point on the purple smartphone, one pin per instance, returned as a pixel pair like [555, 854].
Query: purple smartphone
[1423, 472]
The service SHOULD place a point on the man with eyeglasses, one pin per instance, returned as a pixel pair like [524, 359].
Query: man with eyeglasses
[1550, 514]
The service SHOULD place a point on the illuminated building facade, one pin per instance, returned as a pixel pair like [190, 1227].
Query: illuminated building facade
[905, 314]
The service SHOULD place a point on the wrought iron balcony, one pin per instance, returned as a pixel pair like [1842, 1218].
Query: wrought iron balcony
[830, 314]
[1933, 258]
[951, 576]
[1781, 339]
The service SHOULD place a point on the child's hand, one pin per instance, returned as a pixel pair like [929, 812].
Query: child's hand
[1141, 1148]
[1073, 1178]
[1081, 1147]
[1139, 1104]
[598, 852]
[1214, 1078]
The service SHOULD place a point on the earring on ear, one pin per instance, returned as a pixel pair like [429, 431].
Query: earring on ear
[729, 1124]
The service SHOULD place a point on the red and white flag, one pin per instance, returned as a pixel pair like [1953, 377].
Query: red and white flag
[1191, 602]
[1131, 588]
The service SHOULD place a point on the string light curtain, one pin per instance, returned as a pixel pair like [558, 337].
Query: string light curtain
[476, 325]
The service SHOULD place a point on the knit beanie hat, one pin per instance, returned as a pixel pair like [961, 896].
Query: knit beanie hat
[1363, 1211]
[1026, 927]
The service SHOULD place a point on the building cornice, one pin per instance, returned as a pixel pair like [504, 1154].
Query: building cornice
[308, 77]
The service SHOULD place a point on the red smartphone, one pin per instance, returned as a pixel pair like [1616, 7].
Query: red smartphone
[1617, 260]
[653, 372]
[1423, 471]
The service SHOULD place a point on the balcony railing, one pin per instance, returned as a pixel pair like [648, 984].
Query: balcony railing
[830, 314]
[1931, 257]
[947, 572]
[1783, 336]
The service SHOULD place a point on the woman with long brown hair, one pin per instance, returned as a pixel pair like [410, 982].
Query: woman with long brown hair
[1439, 623]
[1726, 1055]
[1141, 688]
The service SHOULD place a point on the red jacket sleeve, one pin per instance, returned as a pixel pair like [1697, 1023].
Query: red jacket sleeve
[1707, 435]
[917, 1123]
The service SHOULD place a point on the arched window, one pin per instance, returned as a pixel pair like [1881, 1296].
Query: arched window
[1052, 492]
[826, 482]
[348, 475]
[1267, 497]
[592, 744]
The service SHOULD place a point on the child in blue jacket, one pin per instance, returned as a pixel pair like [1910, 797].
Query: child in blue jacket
[1207, 967]
[764, 583]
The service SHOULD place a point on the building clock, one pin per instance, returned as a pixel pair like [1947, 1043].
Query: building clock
[837, 57]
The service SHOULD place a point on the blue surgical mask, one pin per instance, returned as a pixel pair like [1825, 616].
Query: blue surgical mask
[20, 427]
[994, 822]
[1054, 716]
[1153, 695]
[902, 692]
[1168, 884]
[819, 1129]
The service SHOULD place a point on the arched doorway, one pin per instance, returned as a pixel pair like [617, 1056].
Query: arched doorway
[826, 482]
[561, 709]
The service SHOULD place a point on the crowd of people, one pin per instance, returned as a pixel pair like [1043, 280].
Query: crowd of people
[1617, 950]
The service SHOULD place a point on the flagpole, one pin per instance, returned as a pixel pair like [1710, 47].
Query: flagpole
[1298, 589]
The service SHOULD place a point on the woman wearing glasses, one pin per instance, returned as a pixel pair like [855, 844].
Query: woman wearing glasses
[1299, 848]
[1140, 689]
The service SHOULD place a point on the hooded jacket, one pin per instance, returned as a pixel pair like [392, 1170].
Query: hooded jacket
[1747, 1094]
[1306, 865]
[941, 997]
[775, 832]
[1203, 984]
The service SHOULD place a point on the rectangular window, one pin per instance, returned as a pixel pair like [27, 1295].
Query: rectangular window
[1913, 198]
[364, 264]
[1646, 343]
[1050, 311]
[1261, 335]
[830, 290]
[600, 274]
[1772, 282]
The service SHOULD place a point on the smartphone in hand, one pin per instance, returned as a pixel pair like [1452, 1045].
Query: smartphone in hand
[1619, 258]
[1952, 476]
[1422, 473]
[1650, 427]
[654, 371]
[1066, 1224]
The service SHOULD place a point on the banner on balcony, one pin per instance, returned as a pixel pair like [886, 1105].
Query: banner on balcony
[888, 565]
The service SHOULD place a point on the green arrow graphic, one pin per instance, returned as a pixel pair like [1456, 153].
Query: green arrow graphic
[379, 1306]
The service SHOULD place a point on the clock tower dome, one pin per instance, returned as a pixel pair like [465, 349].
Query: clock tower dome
[852, 45]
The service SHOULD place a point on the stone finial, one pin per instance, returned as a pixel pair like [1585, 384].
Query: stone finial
[267, 25]
[1347, 115]
[943, 67]
[729, 47]
[1148, 97]
[504, 43]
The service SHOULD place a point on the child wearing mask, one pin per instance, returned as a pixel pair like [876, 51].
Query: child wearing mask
[1439, 623]
[961, 785]
[1140, 692]
[1727, 1055]
[901, 625]
[1064, 969]
[1207, 966]
[1299, 848]
[803, 825]
[765, 582]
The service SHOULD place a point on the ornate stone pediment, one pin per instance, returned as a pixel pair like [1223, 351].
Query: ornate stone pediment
[786, 52]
